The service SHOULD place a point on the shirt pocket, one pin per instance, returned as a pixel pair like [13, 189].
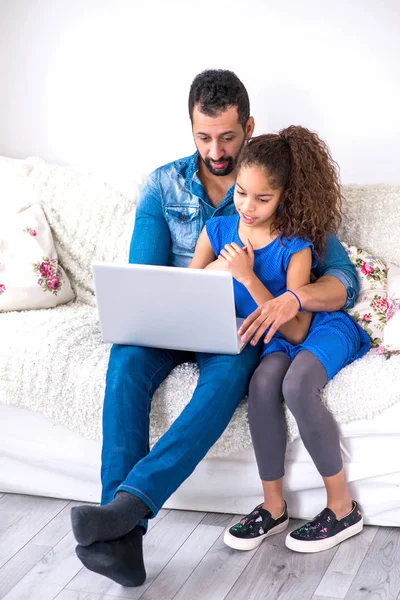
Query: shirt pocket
[184, 224]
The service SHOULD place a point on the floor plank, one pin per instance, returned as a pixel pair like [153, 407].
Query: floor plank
[322, 598]
[379, 575]
[278, 573]
[57, 528]
[159, 516]
[219, 519]
[187, 560]
[19, 565]
[21, 518]
[341, 572]
[49, 577]
[182, 565]
[216, 573]
[72, 595]
[161, 544]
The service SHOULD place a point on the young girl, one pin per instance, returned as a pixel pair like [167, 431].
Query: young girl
[288, 199]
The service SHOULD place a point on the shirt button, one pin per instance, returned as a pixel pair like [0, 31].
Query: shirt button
[183, 217]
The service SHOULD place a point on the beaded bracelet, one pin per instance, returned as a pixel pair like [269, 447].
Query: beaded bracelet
[298, 300]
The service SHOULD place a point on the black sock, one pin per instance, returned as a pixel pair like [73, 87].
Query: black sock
[120, 560]
[101, 523]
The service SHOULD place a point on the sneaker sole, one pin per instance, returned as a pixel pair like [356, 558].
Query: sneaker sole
[321, 545]
[243, 544]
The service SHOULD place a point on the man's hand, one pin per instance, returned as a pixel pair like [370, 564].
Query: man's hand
[273, 314]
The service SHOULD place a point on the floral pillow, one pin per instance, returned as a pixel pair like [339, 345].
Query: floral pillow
[370, 308]
[391, 332]
[30, 275]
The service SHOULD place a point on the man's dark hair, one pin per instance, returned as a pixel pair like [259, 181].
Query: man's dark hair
[215, 90]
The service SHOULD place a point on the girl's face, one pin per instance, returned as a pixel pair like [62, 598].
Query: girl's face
[255, 200]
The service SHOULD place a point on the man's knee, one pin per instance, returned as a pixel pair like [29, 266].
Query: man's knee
[124, 362]
[126, 355]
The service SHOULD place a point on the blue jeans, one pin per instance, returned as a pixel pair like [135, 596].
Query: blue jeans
[134, 374]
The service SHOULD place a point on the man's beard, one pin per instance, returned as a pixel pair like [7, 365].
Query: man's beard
[231, 163]
[220, 172]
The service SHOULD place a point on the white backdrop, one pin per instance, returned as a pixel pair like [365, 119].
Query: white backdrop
[103, 84]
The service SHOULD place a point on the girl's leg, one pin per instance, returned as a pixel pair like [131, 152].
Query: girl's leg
[302, 388]
[273, 497]
[341, 518]
[268, 428]
[338, 495]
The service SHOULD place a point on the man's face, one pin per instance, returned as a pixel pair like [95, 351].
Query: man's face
[220, 139]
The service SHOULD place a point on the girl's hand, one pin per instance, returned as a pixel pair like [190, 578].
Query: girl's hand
[239, 261]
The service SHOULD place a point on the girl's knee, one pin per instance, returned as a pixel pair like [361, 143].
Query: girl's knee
[295, 388]
[257, 386]
[262, 392]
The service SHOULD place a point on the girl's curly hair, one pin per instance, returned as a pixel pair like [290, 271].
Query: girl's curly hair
[300, 163]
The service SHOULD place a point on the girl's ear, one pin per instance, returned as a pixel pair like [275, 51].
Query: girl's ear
[249, 127]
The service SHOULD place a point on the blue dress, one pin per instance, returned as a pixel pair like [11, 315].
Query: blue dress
[334, 338]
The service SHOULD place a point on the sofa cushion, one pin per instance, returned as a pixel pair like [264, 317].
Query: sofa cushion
[30, 274]
[53, 362]
[391, 333]
[89, 220]
[370, 308]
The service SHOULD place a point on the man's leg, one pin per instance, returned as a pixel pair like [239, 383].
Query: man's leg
[133, 375]
[223, 382]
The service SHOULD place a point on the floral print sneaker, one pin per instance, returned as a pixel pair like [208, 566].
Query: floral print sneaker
[325, 531]
[252, 530]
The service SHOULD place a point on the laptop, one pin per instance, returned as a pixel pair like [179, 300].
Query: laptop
[167, 307]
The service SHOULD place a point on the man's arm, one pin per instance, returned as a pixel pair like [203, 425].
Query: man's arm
[337, 288]
[336, 264]
[325, 294]
[151, 240]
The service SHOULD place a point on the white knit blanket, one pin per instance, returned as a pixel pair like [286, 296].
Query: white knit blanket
[53, 361]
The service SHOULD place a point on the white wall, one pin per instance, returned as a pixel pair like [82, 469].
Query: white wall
[103, 84]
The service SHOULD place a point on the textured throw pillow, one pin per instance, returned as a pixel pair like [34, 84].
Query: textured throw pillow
[391, 332]
[30, 275]
[370, 308]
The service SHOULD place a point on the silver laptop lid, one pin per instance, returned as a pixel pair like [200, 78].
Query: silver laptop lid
[167, 307]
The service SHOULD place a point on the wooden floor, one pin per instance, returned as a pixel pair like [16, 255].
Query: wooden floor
[186, 559]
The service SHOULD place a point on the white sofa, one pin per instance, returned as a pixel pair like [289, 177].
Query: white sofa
[53, 364]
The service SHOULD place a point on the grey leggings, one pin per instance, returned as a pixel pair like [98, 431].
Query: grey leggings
[300, 383]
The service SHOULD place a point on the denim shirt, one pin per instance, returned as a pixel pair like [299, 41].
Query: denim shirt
[172, 210]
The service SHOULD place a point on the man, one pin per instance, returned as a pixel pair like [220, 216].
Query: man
[174, 205]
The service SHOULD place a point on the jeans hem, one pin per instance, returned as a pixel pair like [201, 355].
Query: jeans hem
[132, 490]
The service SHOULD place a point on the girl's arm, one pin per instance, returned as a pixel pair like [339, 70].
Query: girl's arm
[298, 274]
[203, 253]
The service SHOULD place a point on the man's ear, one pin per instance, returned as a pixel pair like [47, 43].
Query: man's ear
[249, 127]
